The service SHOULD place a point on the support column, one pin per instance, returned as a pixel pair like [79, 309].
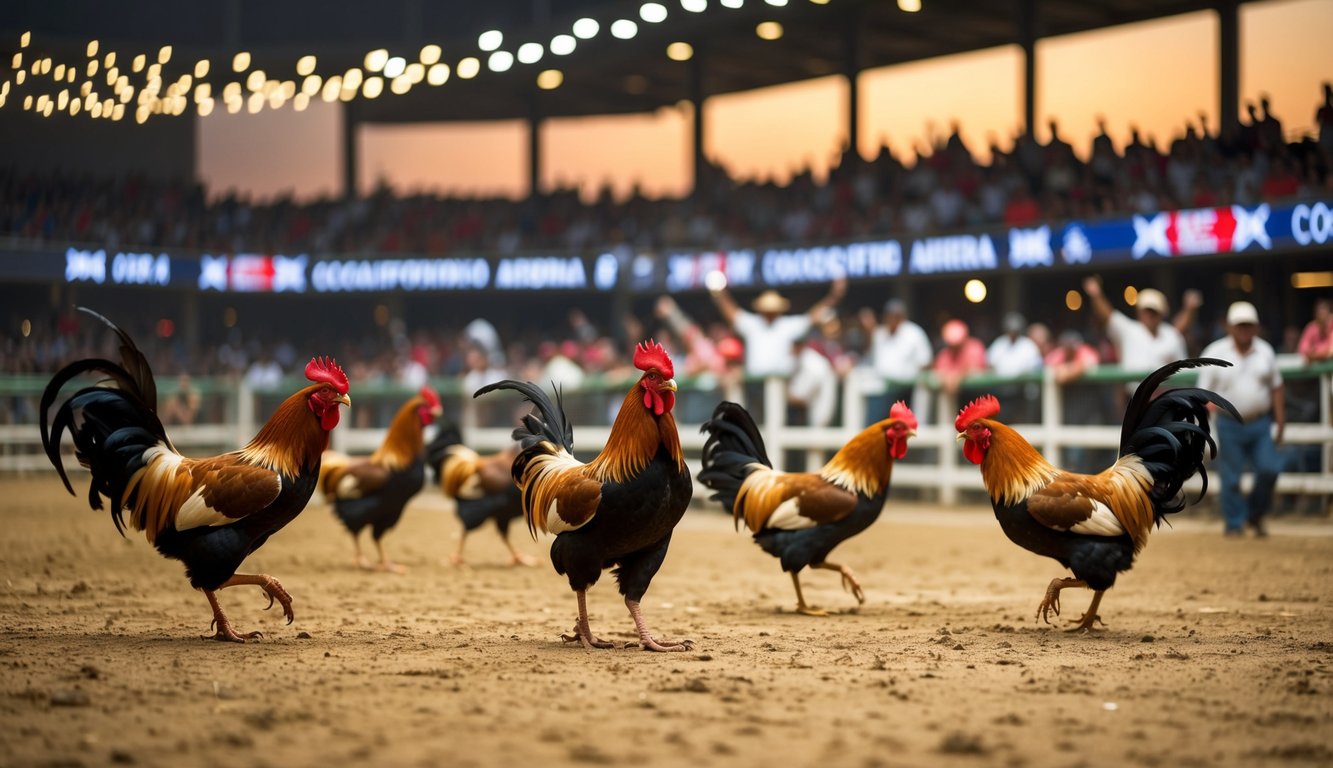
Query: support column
[534, 146]
[1027, 40]
[696, 76]
[350, 154]
[852, 70]
[1228, 48]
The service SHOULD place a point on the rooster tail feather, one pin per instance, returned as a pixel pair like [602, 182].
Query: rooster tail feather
[544, 430]
[437, 450]
[1170, 434]
[331, 464]
[132, 361]
[733, 447]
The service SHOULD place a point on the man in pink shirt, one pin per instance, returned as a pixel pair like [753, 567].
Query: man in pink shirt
[1316, 343]
[962, 356]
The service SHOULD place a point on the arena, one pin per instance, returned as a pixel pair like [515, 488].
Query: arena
[932, 349]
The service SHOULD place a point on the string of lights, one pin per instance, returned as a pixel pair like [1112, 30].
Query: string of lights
[105, 85]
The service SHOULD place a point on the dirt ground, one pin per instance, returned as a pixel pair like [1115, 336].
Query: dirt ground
[1219, 652]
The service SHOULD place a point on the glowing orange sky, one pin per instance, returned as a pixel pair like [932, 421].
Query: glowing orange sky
[1156, 75]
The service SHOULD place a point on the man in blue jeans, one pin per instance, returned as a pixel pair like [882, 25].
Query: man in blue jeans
[1254, 386]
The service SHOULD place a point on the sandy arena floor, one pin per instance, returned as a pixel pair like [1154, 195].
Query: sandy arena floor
[1219, 652]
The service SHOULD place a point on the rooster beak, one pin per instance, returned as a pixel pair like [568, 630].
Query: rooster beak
[345, 400]
[961, 437]
[669, 385]
[911, 433]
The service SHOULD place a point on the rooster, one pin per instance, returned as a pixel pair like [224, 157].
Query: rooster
[799, 517]
[374, 489]
[208, 513]
[480, 486]
[618, 509]
[1095, 525]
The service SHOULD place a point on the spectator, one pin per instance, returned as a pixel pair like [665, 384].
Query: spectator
[1316, 344]
[182, 406]
[813, 387]
[1014, 354]
[1148, 342]
[1254, 385]
[1323, 118]
[1068, 362]
[961, 356]
[899, 352]
[768, 333]
[264, 372]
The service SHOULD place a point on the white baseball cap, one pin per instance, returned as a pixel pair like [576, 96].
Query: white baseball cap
[1242, 312]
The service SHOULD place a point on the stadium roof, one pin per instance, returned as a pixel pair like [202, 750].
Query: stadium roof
[604, 75]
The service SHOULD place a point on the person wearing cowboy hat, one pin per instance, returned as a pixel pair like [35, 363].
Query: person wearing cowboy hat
[1254, 385]
[768, 332]
[1147, 342]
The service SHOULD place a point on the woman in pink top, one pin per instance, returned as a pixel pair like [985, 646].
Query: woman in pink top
[1316, 343]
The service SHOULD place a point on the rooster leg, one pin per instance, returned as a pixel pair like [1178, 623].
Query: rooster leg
[646, 637]
[270, 585]
[1051, 602]
[516, 557]
[361, 561]
[387, 565]
[801, 607]
[582, 633]
[225, 633]
[849, 581]
[457, 557]
[1090, 617]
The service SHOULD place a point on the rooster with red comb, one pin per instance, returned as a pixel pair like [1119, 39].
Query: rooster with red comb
[208, 513]
[618, 509]
[800, 517]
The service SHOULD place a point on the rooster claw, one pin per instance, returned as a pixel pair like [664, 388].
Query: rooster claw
[228, 635]
[590, 642]
[650, 644]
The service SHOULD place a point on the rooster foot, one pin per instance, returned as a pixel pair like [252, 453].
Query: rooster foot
[1088, 623]
[457, 561]
[226, 634]
[589, 640]
[518, 558]
[388, 566]
[650, 644]
[1050, 604]
[806, 610]
[274, 589]
[850, 584]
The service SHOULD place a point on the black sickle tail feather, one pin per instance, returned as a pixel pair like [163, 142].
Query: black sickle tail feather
[546, 423]
[437, 450]
[1170, 433]
[112, 424]
[733, 445]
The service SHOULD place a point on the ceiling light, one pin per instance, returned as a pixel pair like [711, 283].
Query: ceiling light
[694, 6]
[375, 60]
[311, 85]
[778, 3]
[468, 68]
[92, 48]
[768, 30]
[550, 79]
[163, 54]
[586, 28]
[500, 61]
[653, 12]
[624, 29]
[563, 45]
[305, 65]
[135, 66]
[24, 39]
[300, 102]
[530, 53]
[490, 40]
[373, 87]
[395, 67]
[415, 72]
[680, 51]
[240, 62]
[401, 84]
[733, 3]
[438, 74]
[430, 54]
[909, 6]
[200, 68]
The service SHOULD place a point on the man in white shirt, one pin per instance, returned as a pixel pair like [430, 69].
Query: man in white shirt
[1148, 342]
[1254, 385]
[768, 333]
[1014, 354]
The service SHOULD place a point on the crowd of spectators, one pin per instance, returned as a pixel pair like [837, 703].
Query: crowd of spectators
[938, 188]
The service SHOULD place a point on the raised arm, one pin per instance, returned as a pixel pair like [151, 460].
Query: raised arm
[1189, 309]
[725, 304]
[835, 293]
[1101, 308]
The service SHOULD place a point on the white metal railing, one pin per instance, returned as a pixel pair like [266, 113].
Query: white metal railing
[801, 447]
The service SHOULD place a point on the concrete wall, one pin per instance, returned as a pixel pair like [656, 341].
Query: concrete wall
[164, 147]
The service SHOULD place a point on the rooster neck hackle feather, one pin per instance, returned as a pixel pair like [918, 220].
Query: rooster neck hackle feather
[634, 439]
[1013, 470]
[404, 440]
[292, 440]
[863, 465]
